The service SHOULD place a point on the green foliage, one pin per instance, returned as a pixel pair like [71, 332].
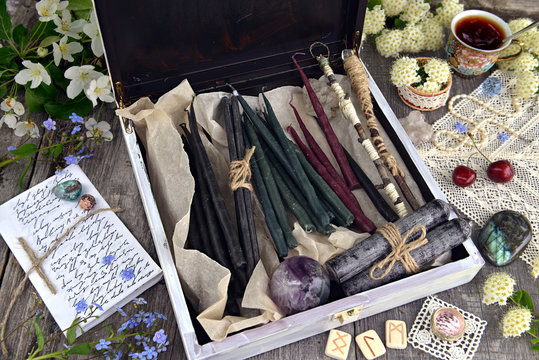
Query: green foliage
[522, 298]
[80, 349]
[39, 334]
[400, 24]
[62, 110]
[5, 22]
[82, 8]
[20, 36]
[25, 150]
[372, 3]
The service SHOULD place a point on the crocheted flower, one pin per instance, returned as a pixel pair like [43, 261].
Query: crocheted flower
[389, 42]
[498, 288]
[375, 20]
[446, 10]
[429, 87]
[491, 86]
[437, 70]
[413, 39]
[516, 321]
[414, 11]
[404, 72]
[527, 84]
[535, 267]
[433, 34]
[394, 7]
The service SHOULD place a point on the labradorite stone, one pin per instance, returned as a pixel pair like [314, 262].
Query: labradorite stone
[504, 237]
[68, 190]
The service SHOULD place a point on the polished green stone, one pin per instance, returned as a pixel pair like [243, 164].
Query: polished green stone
[504, 237]
[68, 190]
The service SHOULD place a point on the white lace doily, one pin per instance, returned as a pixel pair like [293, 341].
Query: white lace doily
[503, 134]
[422, 337]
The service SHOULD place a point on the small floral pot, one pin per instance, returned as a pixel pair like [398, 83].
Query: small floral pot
[421, 100]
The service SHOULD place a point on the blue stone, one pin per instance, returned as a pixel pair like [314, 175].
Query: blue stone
[67, 190]
[504, 237]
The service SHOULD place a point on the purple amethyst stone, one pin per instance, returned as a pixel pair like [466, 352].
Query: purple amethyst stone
[299, 283]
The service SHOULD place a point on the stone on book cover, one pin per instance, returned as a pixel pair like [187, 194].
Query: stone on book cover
[370, 344]
[67, 190]
[396, 337]
[299, 283]
[338, 344]
[504, 237]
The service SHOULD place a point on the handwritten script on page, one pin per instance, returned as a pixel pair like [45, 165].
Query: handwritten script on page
[99, 261]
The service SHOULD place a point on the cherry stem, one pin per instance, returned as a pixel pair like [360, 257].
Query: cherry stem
[475, 145]
[469, 157]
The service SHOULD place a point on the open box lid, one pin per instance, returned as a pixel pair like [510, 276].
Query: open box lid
[152, 46]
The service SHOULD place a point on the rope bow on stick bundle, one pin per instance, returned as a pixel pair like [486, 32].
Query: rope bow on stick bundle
[350, 114]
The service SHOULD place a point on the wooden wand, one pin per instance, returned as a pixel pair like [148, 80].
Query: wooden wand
[360, 83]
[350, 114]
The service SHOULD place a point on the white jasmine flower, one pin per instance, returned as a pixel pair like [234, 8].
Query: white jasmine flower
[64, 25]
[375, 20]
[10, 104]
[34, 72]
[101, 129]
[437, 70]
[527, 84]
[389, 42]
[99, 89]
[92, 30]
[80, 77]
[446, 10]
[414, 11]
[433, 34]
[10, 120]
[394, 7]
[429, 86]
[27, 128]
[46, 9]
[498, 288]
[413, 39]
[535, 267]
[42, 52]
[65, 50]
[404, 72]
[516, 321]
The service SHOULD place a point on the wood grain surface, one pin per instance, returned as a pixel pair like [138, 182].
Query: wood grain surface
[110, 171]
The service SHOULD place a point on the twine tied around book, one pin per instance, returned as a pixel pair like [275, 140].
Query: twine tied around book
[400, 249]
[36, 265]
[239, 172]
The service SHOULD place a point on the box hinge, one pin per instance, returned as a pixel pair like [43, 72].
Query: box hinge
[128, 124]
[350, 314]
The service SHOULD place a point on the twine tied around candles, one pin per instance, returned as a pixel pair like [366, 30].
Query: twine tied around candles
[36, 265]
[239, 172]
[400, 249]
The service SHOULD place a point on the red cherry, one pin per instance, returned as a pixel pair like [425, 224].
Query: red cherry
[500, 171]
[463, 176]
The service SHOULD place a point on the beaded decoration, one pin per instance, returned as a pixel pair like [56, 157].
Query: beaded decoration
[503, 128]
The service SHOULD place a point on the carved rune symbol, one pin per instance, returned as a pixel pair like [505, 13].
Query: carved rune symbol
[337, 346]
[397, 327]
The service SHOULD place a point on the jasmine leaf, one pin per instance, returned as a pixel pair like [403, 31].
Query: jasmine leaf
[3, 91]
[42, 29]
[36, 98]
[535, 348]
[372, 3]
[57, 76]
[25, 150]
[82, 8]
[5, 22]
[517, 296]
[526, 300]
[20, 36]
[35, 325]
[7, 54]
[80, 105]
[535, 341]
[80, 349]
[532, 331]
[49, 40]
[399, 24]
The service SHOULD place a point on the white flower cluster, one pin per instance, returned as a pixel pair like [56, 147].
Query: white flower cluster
[415, 27]
[516, 321]
[83, 78]
[407, 72]
[525, 66]
[497, 288]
